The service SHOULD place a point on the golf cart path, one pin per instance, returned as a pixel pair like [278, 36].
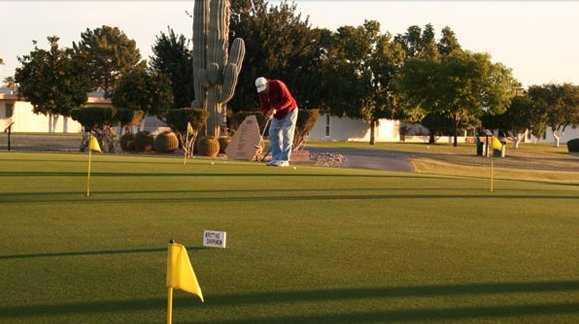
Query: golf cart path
[370, 159]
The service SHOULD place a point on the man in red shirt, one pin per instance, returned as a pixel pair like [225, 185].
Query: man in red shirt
[277, 103]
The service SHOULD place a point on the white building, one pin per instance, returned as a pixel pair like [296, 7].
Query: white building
[332, 128]
[571, 132]
[25, 120]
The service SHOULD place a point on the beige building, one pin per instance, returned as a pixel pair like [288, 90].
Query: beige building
[19, 111]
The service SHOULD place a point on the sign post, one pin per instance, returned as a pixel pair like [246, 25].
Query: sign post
[8, 129]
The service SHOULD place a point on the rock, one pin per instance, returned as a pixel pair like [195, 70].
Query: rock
[245, 143]
[332, 160]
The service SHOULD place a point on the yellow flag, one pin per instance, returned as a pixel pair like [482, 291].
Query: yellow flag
[180, 274]
[189, 129]
[93, 144]
[497, 145]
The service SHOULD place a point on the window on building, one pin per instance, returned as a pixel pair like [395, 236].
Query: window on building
[9, 110]
[327, 125]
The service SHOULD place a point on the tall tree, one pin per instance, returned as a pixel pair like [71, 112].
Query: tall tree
[448, 43]
[279, 44]
[172, 57]
[143, 89]
[52, 80]
[417, 42]
[561, 106]
[361, 70]
[350, 74]
[516, 120]
[108, 53]
[459, 86]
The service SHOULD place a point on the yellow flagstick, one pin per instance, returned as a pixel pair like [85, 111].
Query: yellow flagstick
[496, 145]
[88, 174]
[492, 173]
[169, 305]
[93, 145]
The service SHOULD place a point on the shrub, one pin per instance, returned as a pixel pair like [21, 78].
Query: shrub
[94, 117]
[573, 145]
[128, 142]
[166, 142]
[143, 142]
[129, 117]
[178, 118]
[235, 119]
[307, 119]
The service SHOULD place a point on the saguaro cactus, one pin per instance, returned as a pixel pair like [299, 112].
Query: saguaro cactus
[215, 68]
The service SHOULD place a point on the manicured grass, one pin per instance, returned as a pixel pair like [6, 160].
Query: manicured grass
[307, 245]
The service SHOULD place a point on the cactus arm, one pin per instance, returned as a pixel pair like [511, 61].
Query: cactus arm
[237, 53]
[229, 82]
[232, 69]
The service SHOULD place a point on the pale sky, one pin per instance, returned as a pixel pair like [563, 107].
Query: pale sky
[537, 39]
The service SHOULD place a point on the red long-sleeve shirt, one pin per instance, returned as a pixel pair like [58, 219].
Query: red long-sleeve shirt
[277, 97]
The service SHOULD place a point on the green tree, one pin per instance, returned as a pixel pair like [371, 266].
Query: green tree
[360, 74]
[516, 120]
[418, 43]
[462, 86]
[448, 43]
[143, 89]
[172, 57]
[107, 53]
[52, 80]
[280, 44]
[559, 105]
[421, 43]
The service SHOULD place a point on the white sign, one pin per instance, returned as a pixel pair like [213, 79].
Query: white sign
[214, 239]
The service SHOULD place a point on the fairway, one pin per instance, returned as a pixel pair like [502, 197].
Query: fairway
[312, 245]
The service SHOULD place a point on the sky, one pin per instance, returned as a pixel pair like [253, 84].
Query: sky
[536, 39]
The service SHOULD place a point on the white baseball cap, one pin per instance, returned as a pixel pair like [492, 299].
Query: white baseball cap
[260, 84]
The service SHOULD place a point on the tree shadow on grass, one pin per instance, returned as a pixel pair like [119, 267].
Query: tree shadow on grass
[412, 315]
[289, 173]
[328, 295]
[222, 198]
[87, 253]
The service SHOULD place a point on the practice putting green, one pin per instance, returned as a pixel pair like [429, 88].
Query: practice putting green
[307, 245]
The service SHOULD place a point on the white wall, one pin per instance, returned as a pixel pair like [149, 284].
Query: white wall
[569, 134]
[438, 139]
[25, 120]
[354, 130]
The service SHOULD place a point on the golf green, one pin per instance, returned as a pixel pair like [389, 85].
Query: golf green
[304, 245]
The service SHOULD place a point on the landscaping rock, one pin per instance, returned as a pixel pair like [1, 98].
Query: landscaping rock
[332, 160]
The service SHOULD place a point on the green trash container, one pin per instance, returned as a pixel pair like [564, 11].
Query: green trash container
[502, 152]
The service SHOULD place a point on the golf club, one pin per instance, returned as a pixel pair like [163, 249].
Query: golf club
[258, 146]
